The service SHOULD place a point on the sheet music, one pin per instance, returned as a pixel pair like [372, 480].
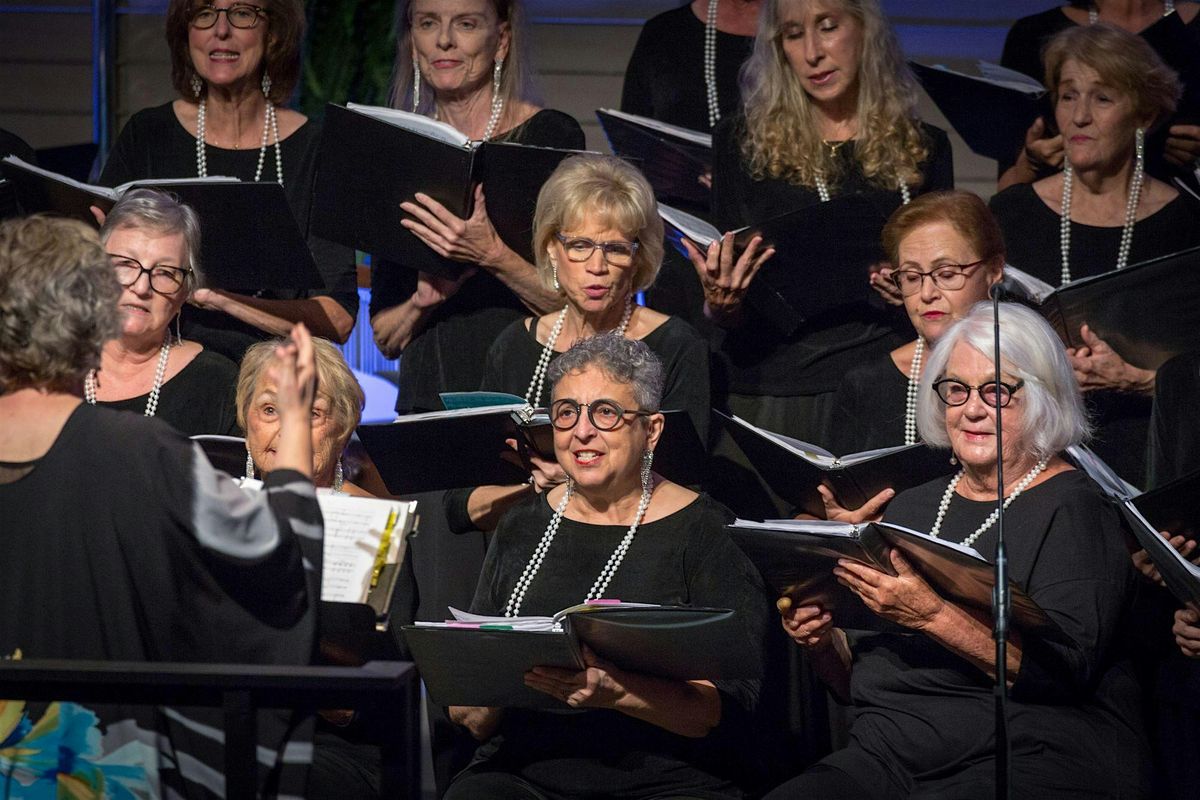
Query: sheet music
[353, 528]
[417, 123]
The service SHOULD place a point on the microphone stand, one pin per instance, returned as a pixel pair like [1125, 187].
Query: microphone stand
[1000, 593]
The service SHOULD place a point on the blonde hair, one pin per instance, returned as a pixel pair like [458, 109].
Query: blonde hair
[611, 189]
[335, 382]
[1123, 61]
[781, 139]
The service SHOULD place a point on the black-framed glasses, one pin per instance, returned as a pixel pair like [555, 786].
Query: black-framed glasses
[947, 276]
[163, 279]
[241, 15]
[580, 249]
[996, 394]
[603, 414]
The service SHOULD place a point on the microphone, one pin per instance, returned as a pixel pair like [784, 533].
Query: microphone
[1000, 592]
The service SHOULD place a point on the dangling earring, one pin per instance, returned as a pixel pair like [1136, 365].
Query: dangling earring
[1139, 143]
[953, 460]
[554, 264]
[647, 463]
[497, 71]
[339, 476]
[178, 333]
[197, 85]
[266, 85]
[416, 84]
[249, 465]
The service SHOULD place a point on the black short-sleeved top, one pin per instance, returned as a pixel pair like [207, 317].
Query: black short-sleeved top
[449, 353]
[199, 399]
[154, 144]
[686, 558]
[869, 408]
[926, 714]
[665, 76]
[813, 360]
[122, 543]
[1174, 448]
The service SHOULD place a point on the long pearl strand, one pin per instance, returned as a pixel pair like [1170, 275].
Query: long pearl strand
[270, 126]
[534, 393]
[910, 400]
[513, 607]
[944, 505]
[823, 191]
[1094, 13]
[710, 63]
[160, 372]
[1131, 206]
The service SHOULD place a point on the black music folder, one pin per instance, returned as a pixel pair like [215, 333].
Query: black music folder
[672, 158]
[991, 111]
[1147, 312]
[463, 447]
[373, 159]
[823, 256]
[249, 238]
[481, 661]
[794, 469]
[796, 557]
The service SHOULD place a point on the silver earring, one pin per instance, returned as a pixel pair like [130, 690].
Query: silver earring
[178, 333]
[249, 466]
[1139, 143]
[953, 461]
[416, 85]
[266, 86]
[339, 476]
[197, 85]
[647, 463]
[555, 265]
[497, 71]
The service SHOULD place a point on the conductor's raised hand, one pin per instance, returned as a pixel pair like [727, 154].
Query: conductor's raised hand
[905, 599]
[472, 240]
[870, 511]
[294, 374]
[725, 278]
[808, 625]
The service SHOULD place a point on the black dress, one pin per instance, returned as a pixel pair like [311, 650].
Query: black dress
[153, 144]
[925, 718]
[1031, 233]
[448, 354]
[869, 408]
[199, 399]
[11, 144]
[122, 543]
[685, 558]
[1177, 42]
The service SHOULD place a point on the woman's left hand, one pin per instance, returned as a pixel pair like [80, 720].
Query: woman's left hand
[598, 686]
[905, 599]
[1183, 146]
[1187, 631]
[1098, 366]
[880, 278]
[473, 240]
[870, 511]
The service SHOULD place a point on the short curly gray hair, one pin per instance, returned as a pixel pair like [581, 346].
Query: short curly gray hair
[1055, 417]
[623, 360]
[164, 214]
[58, 303]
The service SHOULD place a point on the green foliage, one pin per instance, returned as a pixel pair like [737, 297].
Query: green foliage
[351, 47]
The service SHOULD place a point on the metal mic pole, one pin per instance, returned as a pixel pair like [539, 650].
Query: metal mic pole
[1000, 593]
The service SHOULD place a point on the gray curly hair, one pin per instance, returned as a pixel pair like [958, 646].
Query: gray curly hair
[623, 360]
[58, 303]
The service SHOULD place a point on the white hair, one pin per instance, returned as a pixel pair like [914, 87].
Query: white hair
[1054, 417]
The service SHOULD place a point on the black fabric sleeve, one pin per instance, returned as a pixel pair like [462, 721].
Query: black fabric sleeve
[686, 383]
[637, 95]
[339, 274]
[729, 177]
[122, 164]
[1081, 580]
[939, 170]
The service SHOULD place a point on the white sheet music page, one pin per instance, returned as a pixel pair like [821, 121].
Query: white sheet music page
[354, 527]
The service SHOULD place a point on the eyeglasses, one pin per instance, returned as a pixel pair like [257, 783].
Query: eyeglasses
[947, 276]
[579, 249]
[996, 394]
[164, 280]
[603, 414]
[239, 16]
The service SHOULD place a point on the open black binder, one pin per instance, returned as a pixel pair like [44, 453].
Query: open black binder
[368, 166]
[671, 158]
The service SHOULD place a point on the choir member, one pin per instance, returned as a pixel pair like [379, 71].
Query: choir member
[234, 65]
[829, 109]
[153, 241]
[122, 543]
[643, 539]
[923, 693]
[598, 241]
[464, 63]
[1102, 212]
[1176, 149]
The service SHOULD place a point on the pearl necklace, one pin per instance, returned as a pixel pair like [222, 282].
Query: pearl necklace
[1094, 13]
[270, 125]
[494, 119]
[1131, 205]
[534, 392]
[823, 190]
[910, 402]
[710, 63]
[513, 607]
[987, 523]
[89, 382]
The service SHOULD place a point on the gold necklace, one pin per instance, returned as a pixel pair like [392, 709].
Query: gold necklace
[834, 146]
